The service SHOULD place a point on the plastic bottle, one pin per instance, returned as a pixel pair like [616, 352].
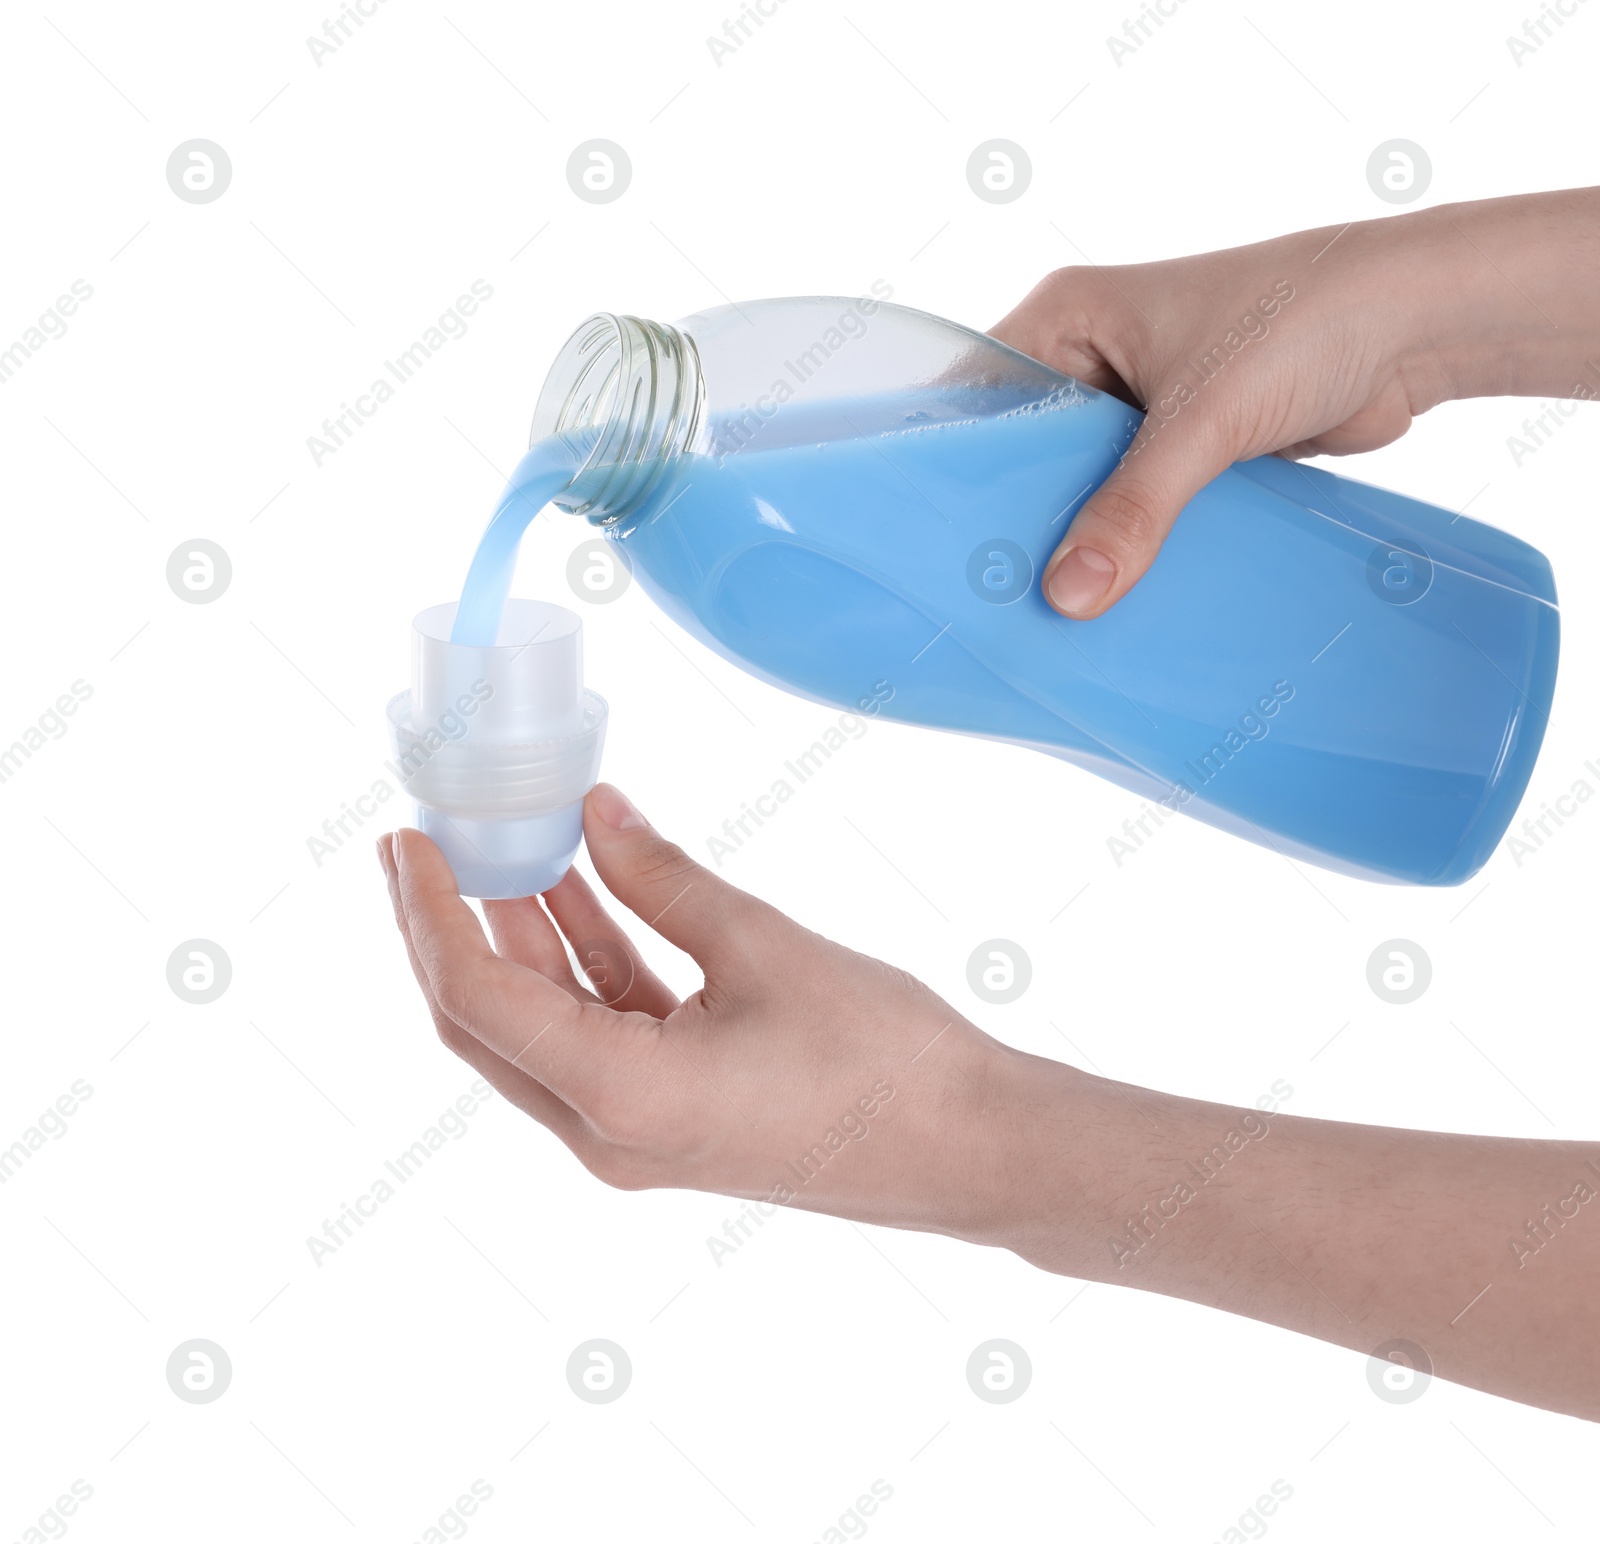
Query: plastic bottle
[854, 501]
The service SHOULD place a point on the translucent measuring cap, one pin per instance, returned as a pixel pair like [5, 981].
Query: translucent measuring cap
[498, 744]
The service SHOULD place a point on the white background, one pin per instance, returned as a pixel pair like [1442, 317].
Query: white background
[769, 1392]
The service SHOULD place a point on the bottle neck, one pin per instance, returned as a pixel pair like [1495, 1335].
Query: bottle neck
[633, 387]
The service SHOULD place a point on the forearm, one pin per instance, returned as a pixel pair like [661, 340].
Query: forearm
[804, 1074]
[1482, 1251]
[1495, 298]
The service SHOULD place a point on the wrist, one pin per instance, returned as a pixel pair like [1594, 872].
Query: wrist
[1412, 290]
[1467, 329]
[1490, 297]
[1066, 1152]
[1106, 1181]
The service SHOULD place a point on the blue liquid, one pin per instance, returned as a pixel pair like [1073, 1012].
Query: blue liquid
[1336, 672]
[1331, 670]
[549, 466]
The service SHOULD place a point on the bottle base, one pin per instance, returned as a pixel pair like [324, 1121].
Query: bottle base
[507, 858]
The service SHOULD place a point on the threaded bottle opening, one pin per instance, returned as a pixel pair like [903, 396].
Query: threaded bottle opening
[636, 386]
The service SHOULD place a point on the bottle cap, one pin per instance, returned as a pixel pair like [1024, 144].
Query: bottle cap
[498, 744]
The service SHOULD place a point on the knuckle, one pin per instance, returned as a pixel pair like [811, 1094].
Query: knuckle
[760, 935]
[1085, 295]
[471, 990]
[1129, 516]
[645, 1108]
[662, 862]
[1065, 303]
[618, 1168]
[453, 992]
[890, 981]
[623, 1119]
[1071, 282]
[452, 1036]
[902, 983]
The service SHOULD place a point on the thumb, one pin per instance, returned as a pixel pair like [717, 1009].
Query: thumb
[1114, 538]
[664, 887]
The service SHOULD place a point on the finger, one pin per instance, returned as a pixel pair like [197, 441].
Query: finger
[573, 1048]
[441, 1020]
[514, 1085]
[1114, 538]
[665, 888]
[524, 933]
[614, 969]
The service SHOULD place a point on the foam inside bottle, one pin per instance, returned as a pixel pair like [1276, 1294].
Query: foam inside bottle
[497, 745]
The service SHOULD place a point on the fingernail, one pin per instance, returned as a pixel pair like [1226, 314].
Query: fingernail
[1080, 579]
[613, 807]
[385, 852]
